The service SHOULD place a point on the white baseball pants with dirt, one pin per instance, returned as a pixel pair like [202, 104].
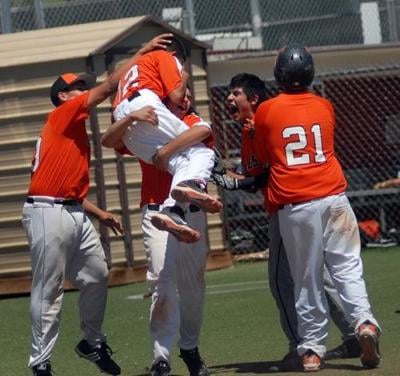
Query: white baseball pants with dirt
[143, 139]
[64, 245]
[282, 289]
[318, 232]
[176, 278]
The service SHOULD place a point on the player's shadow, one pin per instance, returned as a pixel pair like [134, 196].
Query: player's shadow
[267, 367]
[251, 367]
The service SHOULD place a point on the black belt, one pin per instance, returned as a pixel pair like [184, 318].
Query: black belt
[153, 207]
[67, 202]
[133, 96]
[157, 207]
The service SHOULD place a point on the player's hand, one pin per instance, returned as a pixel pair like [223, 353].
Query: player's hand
[112, 221]
[249, 123]
[160, 160]
[146, 114]
[159, 42]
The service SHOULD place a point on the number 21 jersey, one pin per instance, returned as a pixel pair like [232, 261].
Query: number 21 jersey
[294, 134]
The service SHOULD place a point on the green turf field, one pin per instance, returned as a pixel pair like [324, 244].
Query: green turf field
[241, 333]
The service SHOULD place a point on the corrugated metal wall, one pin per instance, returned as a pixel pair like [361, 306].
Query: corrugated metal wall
[24, 104]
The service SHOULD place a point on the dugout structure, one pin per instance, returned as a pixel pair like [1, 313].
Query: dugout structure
[29, 63]
[363, 84]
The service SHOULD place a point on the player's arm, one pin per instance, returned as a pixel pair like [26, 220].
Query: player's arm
[390, 183]
[110, 220]
[109, 86]
[112, 138]
[191, 137]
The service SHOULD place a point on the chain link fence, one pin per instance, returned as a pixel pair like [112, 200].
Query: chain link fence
[367, 144]
[366, 99]
[228, 24]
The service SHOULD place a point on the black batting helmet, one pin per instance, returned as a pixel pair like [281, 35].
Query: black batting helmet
[294, 68]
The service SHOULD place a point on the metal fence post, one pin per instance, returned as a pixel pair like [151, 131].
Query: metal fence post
[256, 21]
[392, 20]
[191, 18]
[39, 14]
[5, 15]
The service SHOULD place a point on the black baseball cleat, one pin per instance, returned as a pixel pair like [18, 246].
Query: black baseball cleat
[191, 191]
[172, 219]
[161, 368]
[291, 362]
[194, 363]
[99, 355]
[347, 350]
[42, 369]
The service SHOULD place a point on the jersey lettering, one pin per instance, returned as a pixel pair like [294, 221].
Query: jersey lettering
[300, 145]
[130, 80]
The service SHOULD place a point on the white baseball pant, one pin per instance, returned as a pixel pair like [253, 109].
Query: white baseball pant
[176, 278]
[143, 139]
[64, 245]
[282, 289]
[318, 232]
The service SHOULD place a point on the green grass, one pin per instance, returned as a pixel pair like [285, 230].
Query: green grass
[241, 334]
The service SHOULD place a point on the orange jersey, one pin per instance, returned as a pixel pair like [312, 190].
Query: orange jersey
[155, 184]
[60, 167]
[250, 164]
[295, 136]
[159, 71]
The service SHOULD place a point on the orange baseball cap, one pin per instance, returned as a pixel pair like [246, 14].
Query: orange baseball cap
[66, 80]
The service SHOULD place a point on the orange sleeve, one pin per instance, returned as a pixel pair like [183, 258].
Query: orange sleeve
[170, 71]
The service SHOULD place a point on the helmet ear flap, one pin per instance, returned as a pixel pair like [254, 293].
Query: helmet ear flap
[294, 68]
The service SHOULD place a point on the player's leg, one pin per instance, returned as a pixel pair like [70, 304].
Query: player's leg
[282, 289]
[87, 270]
[302, 234]
[350, 347]
[161, 249]
[345, 266]
[191, 172]
[191, 267]
[143, 139]
[44, 222]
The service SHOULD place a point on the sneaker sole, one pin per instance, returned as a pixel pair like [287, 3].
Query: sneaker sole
[182, 233]
[82, 355]
[369, 350]
[206, 202]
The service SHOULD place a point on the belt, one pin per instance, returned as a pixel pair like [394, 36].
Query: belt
[157, 207]
[133, 96]
[58, 201]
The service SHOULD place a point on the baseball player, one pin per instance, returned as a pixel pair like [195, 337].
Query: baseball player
[294, 134]
[156, 76]
[175, 269]
[247, 91]
[62, 239]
